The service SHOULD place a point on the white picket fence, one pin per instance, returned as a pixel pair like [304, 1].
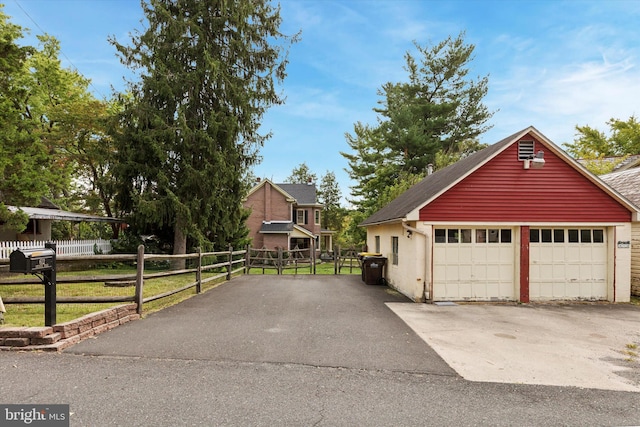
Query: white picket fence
[63, 247]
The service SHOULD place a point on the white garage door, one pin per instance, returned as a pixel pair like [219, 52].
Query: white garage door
[568, 264]
[473, 264]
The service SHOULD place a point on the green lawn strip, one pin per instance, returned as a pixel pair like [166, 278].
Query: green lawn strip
[33, 314]
[321, 268]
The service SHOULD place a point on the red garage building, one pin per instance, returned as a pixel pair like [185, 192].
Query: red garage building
[518, 221]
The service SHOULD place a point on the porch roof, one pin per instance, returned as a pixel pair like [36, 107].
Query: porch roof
[284, 227]
[58, 214]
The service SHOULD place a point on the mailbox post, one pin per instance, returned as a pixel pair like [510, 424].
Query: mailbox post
[36, 261]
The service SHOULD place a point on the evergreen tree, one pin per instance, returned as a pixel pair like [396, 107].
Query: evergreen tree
[433, 118]
[329, 195]
[207, 75]
[301, 175]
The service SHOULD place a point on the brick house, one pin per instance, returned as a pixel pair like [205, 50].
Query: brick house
[286, 216]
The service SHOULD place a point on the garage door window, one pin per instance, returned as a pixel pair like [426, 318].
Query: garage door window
[573, 235]
[466, 235]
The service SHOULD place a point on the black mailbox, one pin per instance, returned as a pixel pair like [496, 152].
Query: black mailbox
[32, 260]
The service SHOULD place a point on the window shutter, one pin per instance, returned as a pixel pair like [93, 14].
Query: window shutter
[306, 217]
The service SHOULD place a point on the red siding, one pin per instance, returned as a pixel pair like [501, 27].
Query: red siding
[502, 190]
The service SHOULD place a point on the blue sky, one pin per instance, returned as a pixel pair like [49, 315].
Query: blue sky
[551, 64]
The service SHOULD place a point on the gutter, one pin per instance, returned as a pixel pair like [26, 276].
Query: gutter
[425, 291]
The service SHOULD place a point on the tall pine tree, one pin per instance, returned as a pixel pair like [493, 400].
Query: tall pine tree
[434, 117]
[208, 71]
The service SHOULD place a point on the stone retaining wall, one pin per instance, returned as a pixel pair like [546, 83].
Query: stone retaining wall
[63, 335]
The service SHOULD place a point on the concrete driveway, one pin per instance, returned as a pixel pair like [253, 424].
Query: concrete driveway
[590, 345]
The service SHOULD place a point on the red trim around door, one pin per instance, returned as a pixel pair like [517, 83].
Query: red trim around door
[524, 264]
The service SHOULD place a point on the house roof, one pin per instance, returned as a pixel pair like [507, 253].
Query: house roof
[277, 187]
[621, 163]
[283, 227]
[626, 183]
[301, 194]
[305, 194]
[440, 181]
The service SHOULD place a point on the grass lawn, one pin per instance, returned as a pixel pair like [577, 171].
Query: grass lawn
[321, 268]
[33, 314]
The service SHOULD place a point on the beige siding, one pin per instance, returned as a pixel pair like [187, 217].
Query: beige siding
[407, 276]
[635, 259]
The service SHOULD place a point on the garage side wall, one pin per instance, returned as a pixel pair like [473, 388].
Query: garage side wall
[622, 248]
[635, 259]
[404, 272]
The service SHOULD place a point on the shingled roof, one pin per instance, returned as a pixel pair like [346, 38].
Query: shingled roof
[434, 184]
[626, 183]
[305, 194]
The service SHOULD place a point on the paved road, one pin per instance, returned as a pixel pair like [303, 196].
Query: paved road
[291, 351]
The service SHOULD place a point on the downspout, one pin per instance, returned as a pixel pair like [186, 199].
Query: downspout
[426, 257]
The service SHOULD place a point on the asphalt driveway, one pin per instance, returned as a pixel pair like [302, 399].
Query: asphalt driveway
[329, 321]
[590, 345]
[292, 351]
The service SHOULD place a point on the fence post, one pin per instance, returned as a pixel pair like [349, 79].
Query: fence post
[280, 260]
[50, 302]
[139, 278]
[230, 262]
[247, 259]
[199, 272]
[336, 259]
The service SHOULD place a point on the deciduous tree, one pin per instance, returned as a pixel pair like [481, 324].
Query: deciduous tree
[44, 111]
[592, 145]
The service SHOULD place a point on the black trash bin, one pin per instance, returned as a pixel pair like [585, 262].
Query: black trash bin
[373, 270]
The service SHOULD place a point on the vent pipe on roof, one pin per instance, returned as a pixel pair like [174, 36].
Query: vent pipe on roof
[429, 169]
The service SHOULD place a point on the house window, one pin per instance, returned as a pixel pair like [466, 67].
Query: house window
[32, 227]
[394, 250]
[317, 217]
[525, 150]
[377, 238]
[300, 216]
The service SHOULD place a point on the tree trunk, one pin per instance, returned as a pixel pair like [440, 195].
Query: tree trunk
[179, 246]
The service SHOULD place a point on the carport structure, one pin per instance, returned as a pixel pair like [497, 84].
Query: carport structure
[518, 221]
